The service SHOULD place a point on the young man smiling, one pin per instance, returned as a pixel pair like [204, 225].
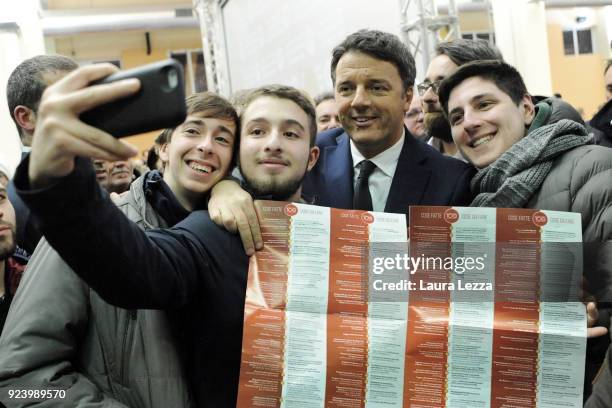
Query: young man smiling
[532, 156]
[277, 142]
[99, 354]
[195, 268]
[535, 156]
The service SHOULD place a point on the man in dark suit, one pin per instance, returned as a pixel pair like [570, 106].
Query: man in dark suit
[422, 176]
[373, 163]
[373, 74]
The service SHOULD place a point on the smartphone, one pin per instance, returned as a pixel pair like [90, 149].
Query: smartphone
[159, 104]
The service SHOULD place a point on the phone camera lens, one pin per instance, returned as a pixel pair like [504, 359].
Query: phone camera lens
[172, 78]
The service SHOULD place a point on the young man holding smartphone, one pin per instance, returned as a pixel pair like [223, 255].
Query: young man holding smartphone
[102, 355]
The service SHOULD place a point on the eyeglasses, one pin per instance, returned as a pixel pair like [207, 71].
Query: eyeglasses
[425, 85]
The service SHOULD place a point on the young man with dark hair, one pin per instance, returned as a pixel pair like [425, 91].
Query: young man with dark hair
[449, 56]
[99, 354]
[327, 112]
[261, 169]
[369, 164]
[535, 156]
[195, 268]
[531, 156]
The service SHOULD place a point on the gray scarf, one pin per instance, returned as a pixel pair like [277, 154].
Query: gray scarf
[518, 173]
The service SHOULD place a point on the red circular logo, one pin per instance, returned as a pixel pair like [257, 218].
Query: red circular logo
[540, 219]
[290, 210]
[367, 218]
[451, 216]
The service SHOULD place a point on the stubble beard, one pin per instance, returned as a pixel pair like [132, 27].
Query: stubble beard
[7, 245]
[436, 125]
[271, 188]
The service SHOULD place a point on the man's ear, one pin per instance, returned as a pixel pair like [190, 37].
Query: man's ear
[528, 109]
[313, 156]
[25, 118]
[163, 153]
[409, 95]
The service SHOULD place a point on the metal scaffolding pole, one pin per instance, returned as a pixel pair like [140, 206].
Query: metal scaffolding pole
[210, 16]
[422, 28]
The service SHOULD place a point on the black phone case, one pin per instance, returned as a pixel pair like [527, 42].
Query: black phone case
[155, 106]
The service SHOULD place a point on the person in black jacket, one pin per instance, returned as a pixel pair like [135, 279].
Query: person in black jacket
[196, 269]
[101, 355]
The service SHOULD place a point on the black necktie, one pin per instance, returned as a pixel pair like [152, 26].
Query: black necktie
[362, 200]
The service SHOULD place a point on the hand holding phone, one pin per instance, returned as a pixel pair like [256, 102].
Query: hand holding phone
[60, 135]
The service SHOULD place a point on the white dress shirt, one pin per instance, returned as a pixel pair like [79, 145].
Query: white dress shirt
[381, 178]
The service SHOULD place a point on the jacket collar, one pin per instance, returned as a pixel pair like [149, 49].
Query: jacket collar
[407, 187]
[410, 179]
[338, 171]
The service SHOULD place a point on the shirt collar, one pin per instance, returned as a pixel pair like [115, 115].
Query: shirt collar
[386, 161]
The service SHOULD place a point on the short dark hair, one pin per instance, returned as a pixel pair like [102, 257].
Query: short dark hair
[322, 97]
[26, 83]
[608, 66]
[285, 92]
[379, 45]
[461, 51]
[503, 75]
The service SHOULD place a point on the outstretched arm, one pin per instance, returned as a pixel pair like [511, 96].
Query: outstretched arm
[126, 266]
[57, 182]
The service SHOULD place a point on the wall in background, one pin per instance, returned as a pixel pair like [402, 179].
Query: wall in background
[578, 78]
[290, 42]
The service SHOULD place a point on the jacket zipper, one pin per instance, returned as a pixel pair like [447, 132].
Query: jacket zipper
[127, 340]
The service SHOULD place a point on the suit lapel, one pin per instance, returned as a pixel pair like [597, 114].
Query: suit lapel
[339, 173]
[410, 179]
